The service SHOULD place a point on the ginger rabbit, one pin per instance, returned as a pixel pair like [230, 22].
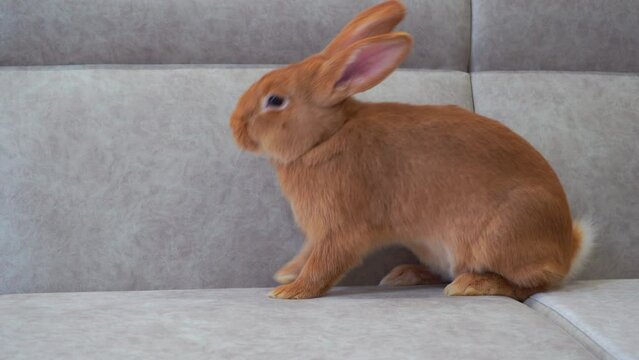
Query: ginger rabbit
[473, 200]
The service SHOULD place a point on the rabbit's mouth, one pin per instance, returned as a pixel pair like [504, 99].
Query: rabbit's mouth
[239, 126]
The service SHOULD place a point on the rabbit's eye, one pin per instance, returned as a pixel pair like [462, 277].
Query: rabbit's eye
[275, 102]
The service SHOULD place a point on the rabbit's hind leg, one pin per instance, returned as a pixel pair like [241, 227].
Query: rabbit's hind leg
[472, 284]
[289, 272]
[409, 275]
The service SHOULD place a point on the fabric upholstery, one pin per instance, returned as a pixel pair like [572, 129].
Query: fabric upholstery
[350, 323]
[587, 126]
[58, 32]
[121, 178]
[583, 35]
[600, 314]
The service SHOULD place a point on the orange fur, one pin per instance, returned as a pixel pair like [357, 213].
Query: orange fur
[410, 274]
[471, 198]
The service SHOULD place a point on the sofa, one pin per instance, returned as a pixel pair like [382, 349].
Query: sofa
[131, 226]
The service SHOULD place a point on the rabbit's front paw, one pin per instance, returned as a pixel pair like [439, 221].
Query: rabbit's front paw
[295, 290]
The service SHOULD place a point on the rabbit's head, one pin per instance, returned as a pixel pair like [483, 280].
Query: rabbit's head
[290, 110]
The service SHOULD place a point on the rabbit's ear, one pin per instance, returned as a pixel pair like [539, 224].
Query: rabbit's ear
[360, 67]
[376, 20]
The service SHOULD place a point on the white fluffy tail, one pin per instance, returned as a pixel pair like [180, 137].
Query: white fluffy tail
[583, 237]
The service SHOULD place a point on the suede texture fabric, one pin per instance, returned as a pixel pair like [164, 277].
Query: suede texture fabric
[602, 315]
[349, 323]
[587, 126]
[60, 32]
[128, 178]
[582, 35]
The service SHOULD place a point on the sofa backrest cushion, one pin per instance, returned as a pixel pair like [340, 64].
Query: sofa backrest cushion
[587, 126]
[128, 178]
[59, 32]
[583, 35]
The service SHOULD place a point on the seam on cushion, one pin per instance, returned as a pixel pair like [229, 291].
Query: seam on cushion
[470, 57]
[138, 66]
[472, 90]
[573, 326]
[161, 67]
[563, 72]
[470, 46]
[469, 66]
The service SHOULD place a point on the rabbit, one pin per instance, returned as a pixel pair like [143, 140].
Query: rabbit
[476, 203]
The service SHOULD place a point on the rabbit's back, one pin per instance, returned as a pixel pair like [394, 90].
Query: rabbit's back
[403, 168]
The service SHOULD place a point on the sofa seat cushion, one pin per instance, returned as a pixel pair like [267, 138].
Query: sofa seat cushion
[353, 323]
[602, 314]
